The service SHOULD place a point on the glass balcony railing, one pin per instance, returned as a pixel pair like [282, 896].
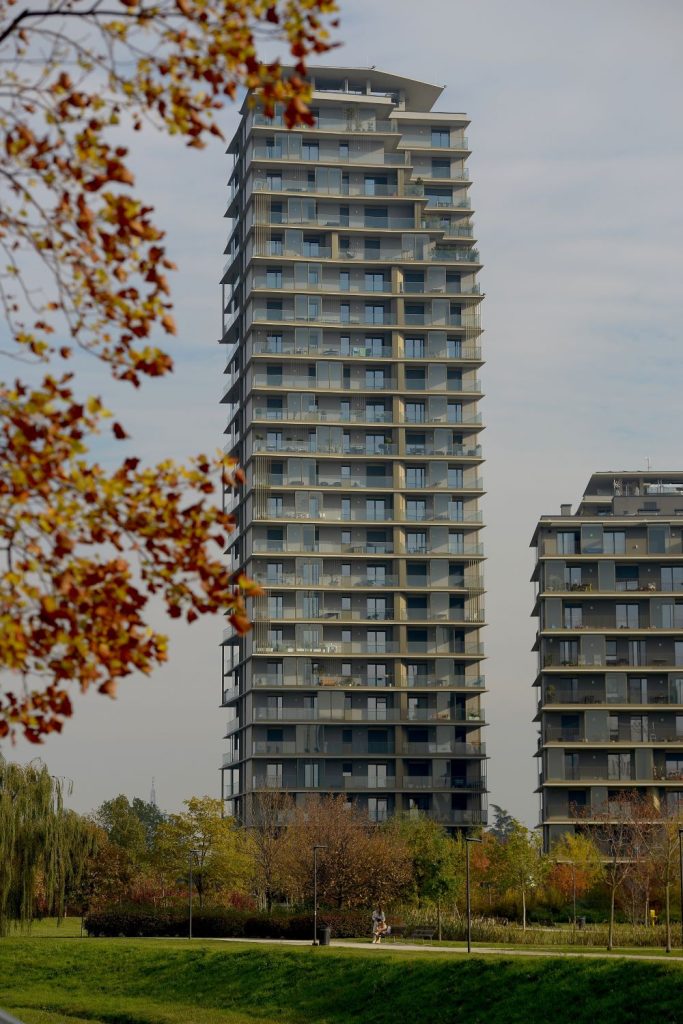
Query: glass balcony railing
[341, 188]
[455, 747]
[338, 125]
[296, 155]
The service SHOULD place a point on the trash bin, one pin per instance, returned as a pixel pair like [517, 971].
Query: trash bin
[581, 922]
[324, 935]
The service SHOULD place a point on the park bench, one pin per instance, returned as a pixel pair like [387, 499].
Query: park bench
[422, 934]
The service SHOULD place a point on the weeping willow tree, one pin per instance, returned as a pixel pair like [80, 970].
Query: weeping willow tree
[43, 846]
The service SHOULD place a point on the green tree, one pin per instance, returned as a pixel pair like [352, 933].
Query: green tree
[518, 863]
[123, 827]
[41, 842]
[437, 872]
[216, 846]
[503, 823]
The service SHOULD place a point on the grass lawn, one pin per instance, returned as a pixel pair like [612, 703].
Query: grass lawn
[129, 981]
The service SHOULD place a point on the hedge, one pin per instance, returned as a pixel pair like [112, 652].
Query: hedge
[139, 920]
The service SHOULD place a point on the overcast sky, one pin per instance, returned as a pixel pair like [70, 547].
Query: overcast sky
[577, 167]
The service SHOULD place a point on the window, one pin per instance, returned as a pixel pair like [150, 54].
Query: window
[374, 313]
[347, 735]
[310, 149]
[276, 213]
[274, 309]
[378, 808]
[454, 412]
[376, 186]
[344, 216]
[274, 507]
[415, 412]
[375, 444]
[274, 343]
[413, 281]
[372, 248]
[344, 280]
[376, 608]
[346, 603]
[455, 478]
[454, 379]
[414, 312]
[414, 348]
[343, 151]
[275, 246]
[377, 640]
[619, 766]
[275, 606]
[415, 378]
[416, 542]
[657, 540]
[416, 477]
[441, 138]
[672, 578]
[566, 543]
[345, 312]
[454, 348]
[416, 444]
[311, 245]
[376, 216]
[573, 616]
[416, 510]
[441, 168]
[456, 543]
[274, 277]
[613, 543]
[274, 440]
[274, 181]
[274, 572]
[374, 282]
[377, 776]
[375, 412]
[377, 674]
[627, 616]
[375, 509]
[374, 379]
[374, 346]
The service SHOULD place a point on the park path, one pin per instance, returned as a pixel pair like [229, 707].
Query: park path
[407, 947]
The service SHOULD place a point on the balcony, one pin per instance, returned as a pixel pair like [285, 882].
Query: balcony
[336, 125]
[369, 159]
[322, 547]
[444, 782]
[297, 383]
[360, 189]
[339, 647]
[445, 715]
[321, 679]
[316, 415]
[371, 483]
[454, 747]
[299, 714]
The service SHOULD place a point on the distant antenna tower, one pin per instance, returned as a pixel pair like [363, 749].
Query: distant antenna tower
[649, 463]
[153, 794]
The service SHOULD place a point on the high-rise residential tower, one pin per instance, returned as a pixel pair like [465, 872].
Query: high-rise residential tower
[610, 649]
[351, 323]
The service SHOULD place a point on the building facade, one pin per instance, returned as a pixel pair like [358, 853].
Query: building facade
[609, 583]
[351, 323]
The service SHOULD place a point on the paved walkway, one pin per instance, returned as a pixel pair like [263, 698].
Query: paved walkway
[408, 947]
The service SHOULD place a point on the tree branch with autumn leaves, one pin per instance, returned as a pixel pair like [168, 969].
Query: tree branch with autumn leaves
[84, 267]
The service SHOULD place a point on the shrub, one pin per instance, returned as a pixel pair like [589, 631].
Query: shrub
[136, 920]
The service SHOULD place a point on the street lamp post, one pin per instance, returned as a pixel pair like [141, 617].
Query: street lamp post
[315, 892]
[680, 860]
[468, 840]
[192, 854]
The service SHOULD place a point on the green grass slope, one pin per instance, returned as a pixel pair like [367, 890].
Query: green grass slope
[165, 982]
